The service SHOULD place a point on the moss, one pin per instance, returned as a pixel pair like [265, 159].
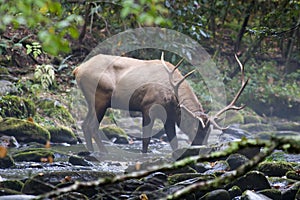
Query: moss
[14, 106]
[12, 184]
[34, 155]
[54, 110]
[62, 134]
[23, 130]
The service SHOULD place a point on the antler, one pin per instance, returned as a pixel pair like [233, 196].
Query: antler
[171, 74]
[231, 106]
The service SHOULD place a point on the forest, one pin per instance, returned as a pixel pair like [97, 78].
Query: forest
[42, 108]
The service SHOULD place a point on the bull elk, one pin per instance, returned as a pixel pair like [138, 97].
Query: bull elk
[154, 87]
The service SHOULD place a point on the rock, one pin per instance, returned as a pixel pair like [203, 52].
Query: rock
[250, 195]
[24, 130]
[236, 160]
[36, 187]
[54, 110]
[234, 192]
[115, 134]
[249, 152]
[202, 167]
[255, 128]
[62, 134]
[190, 151]
[293, 175]
[219, 167]
[233, 133]
[48, 181]
[253, 180]
[131, 184]
[18, 107]
[158, 178]
[76, 160]
[216, 195]
[146, 187]
[15, 185]
[8, 141]
[71, 196]
[18, 197]
[34, 155]
[291, 192]
[271, 193]
[145, 165]
[275, 168]
[176, 178]
[7, 87]
[6, 162]
[6, 191]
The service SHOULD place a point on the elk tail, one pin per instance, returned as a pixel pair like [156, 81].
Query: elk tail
[75, 71]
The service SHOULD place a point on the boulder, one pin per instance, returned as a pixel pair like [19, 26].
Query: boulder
[24, 130]
[275, 168]
[18, 107]
[62, 134]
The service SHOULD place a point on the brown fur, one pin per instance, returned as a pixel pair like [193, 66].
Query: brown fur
[138, 85]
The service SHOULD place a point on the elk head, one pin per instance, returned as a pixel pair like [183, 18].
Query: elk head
[198, 121]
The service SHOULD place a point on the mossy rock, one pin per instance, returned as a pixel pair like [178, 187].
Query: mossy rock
[12, 184]
[176, 178]
[275, 168]
[293, 175]
[62, 134]
[253, 180]
[34, 155]
[271, 193]
[117, 133]
[234, 117]
[24, 130]
[287, 126]
[3, 70]
[249, 119]
[14, 106]
[57, 113]
[6, 162]
[216, 195]
[10, 192]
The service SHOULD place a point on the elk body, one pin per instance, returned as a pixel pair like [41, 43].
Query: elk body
[153, 87]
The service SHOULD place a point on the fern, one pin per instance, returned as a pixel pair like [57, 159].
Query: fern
[45, 75]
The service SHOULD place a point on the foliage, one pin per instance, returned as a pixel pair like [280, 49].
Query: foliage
[46, 17]
[146, 12]
[45, 75]
[34, 48]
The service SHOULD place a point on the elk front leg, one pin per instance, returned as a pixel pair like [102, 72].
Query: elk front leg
[171, 133]
[147, 131]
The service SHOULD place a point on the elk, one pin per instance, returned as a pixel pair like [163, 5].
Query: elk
[153, 87]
